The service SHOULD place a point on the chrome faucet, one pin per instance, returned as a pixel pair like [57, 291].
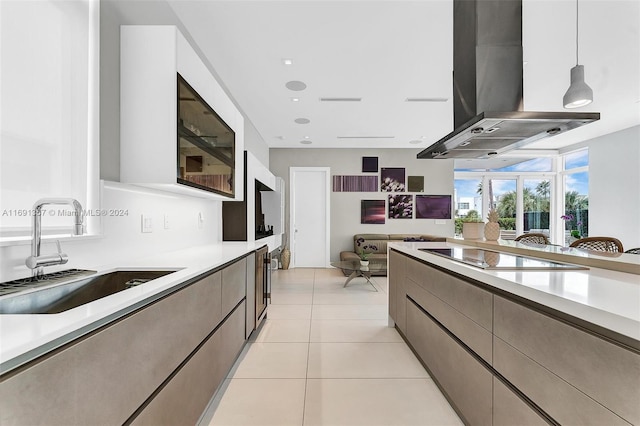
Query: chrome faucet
[36, 262]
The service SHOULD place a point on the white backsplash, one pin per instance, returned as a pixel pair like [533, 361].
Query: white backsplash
[121, 237]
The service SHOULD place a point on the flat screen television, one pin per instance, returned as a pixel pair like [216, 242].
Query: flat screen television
[206, 144]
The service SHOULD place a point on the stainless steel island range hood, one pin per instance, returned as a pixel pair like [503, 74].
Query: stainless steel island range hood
[487, 77]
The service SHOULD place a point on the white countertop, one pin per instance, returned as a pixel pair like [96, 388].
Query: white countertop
[24, 337]
[606, 298]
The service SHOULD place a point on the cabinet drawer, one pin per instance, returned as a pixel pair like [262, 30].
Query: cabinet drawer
[465, 381]
[559, 399]
[397, 292]
[472, 334]
[509, 409]
[105, 377]
[233, 285]
[468, 299]
[604, 371]
[186, 396]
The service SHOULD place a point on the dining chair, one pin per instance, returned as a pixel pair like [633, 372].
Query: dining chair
[633, 250]
[609, 244]
[532, 238]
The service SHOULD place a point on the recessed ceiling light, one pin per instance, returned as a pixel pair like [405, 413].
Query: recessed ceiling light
[302, 120]
[287, 61]
[295, 99]
[415, 141]
[426, 99]
[307, 137]
[295, 85]
[306, 142]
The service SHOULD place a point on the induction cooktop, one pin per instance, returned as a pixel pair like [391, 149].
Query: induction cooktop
[489, 259]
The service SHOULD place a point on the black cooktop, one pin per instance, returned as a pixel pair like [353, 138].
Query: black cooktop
[489, 259]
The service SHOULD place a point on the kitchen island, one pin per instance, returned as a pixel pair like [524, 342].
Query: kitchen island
[128, 357]
[518, 346]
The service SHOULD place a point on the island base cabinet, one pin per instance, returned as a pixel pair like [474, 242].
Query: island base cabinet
[465, 381]
[509, 409]
[187, 394]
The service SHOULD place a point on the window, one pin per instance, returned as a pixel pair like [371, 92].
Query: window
[468, 201]
[576, 195]
[521, 192]
[536, 199]
[49, 114]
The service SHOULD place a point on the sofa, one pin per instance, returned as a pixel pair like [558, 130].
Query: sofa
[380, 242]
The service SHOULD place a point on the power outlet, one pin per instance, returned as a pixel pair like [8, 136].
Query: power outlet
[166, 222]
[147, 223]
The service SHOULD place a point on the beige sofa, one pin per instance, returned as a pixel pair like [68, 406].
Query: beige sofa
[380, 242]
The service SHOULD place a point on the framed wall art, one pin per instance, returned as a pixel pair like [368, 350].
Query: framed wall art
[355, 183]
[369, 164]
[400, 206]
[433, 206]
[415, 184]
[372, 211]
[392, 179]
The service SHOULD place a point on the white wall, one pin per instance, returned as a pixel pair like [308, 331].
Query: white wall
[345, 206]
[122, 238]
[614, 186]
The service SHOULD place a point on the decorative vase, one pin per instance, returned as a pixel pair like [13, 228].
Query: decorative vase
[364, 262]
[491, 231]
[472, 230]
[285, 257]
[492, 258]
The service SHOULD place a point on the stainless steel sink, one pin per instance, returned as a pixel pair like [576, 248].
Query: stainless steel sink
[62, 297]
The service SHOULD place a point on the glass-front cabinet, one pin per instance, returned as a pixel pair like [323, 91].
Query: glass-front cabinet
[206, 145]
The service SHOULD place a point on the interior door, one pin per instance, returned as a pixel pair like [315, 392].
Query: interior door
[309, 216]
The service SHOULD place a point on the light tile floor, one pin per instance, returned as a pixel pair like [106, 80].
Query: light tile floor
[325, 356]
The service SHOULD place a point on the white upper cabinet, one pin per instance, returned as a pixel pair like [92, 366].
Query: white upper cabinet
[179, 131]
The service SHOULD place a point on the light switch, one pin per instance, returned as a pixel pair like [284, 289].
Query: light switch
[147, 223]
[200, 220]
[166, 222]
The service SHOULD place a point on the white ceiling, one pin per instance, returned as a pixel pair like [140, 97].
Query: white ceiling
[387, 51]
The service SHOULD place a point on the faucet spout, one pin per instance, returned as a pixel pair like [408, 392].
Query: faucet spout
[36, 262]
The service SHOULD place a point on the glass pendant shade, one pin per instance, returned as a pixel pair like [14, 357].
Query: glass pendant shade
[579, 93]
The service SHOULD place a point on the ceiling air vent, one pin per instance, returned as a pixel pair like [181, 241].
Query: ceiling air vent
[340, 99]
[426, 99]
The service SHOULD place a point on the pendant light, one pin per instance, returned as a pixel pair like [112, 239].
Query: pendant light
[579, 93]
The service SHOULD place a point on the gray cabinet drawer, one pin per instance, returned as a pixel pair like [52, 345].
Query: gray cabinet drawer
[397, 293]
[105, 377]
[605, 372]
[472, 334]
[466, 382]
[468, 299]
[186, 396]
[509, 409]
[563, 402]
[233, 285]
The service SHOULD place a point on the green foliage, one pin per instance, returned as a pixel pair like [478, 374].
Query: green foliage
[458, 225]
[508, 223]
[472, 216]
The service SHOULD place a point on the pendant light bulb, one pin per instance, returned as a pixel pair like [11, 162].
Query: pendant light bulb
[579, 93]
